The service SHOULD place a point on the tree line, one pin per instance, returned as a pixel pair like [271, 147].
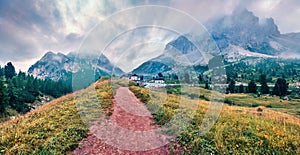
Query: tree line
[280, 88]
[19, 89]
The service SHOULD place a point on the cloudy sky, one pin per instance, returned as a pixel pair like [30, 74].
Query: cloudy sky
[30, 28]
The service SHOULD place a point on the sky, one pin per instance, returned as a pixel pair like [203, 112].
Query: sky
[30, 28]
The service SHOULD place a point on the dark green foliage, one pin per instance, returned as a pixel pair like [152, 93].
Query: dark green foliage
[206, 85]
[174, 90]
[17, 90]
[264, 89]
[18, 97]
[252, 87]
[160, 75]
[231, 86]
[272, 68]
[9, 70]
[241, 88]
[3, 96]
[175, 77]
[200, 78]
[281, 87]
[1, 71]
[229, 102]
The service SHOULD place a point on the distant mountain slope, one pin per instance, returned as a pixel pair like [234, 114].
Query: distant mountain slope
[59, 66]
[243, 29]
[180, 56]
[236, 36]
[151, 67]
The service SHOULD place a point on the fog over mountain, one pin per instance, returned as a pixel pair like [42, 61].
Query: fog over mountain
[237, 36]
[61, 26]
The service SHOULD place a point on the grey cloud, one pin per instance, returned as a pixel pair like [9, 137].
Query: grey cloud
[284, 12]
[28, 28]
[74, 37]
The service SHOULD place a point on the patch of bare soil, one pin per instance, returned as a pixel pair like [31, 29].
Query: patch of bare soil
[129, 130]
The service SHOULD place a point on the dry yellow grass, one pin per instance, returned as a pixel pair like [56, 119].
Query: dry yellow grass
[238, 130]
[56, 127]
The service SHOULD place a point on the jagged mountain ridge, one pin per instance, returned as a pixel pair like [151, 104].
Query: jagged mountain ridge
[237, 36]
[244, 30]
[62, 67]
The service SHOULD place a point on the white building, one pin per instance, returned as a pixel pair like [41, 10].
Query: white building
[159, 80]
[134, 77]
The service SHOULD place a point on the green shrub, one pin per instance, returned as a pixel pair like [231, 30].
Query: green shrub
[141, 93]
[254, 105]
[131, 83]
[229, 102]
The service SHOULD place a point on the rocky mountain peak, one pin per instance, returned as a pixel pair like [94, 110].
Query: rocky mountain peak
[269, 27]
[48, 55]
[182, 44]
[59, 66]
[242, 16]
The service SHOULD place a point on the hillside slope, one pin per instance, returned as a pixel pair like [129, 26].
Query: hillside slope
[58, 126]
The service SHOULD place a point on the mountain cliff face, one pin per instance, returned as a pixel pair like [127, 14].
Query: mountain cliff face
[62, 67]
[244, 30]
[237, 36]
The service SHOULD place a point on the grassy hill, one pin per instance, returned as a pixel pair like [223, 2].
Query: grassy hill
[238, 130]
[57, 127]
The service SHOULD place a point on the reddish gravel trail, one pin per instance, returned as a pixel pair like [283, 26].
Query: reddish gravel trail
[129, 130]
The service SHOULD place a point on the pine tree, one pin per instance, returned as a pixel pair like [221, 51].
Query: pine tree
[281, 87]
[175, 77]
[264, 89]
[200, 78]
[3, 95]
[160, 75]
[35, 87]
[276, 90]
[9, 70]
[241, 88]
[231, 86]
[29, 84]
[1, 71]
[206, 85]
[252, 87]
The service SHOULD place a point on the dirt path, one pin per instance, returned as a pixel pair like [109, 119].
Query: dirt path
[129, 130]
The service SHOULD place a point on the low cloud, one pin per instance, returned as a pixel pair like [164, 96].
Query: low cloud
[30, 28]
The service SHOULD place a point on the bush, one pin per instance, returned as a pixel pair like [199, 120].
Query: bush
[269, 106]
[229, 102]
[141, 93]
[131, 83]
[254, 105]
[174, 90]
[204, 98]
